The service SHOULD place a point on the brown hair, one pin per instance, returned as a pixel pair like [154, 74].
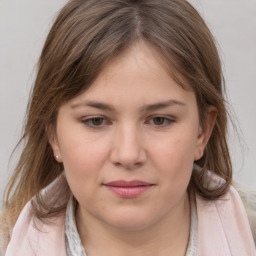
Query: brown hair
[86, 35]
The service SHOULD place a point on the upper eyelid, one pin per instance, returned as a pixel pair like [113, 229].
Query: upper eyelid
[168, 120]
[88, 122]
[88, 118]
[162, 116]
[148, 118]
[92, 117]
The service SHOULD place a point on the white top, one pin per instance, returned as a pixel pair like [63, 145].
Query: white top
[74, 245]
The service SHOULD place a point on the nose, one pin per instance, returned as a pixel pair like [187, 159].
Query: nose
[127, 148]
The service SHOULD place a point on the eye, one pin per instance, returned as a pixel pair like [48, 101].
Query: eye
[160, 121]
[95, 122]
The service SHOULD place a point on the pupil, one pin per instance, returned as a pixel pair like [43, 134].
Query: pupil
[97, 121]
[158, 120]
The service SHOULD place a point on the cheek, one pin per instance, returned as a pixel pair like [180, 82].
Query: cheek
[83, 160]
[80, 152]
[176, 150]
[174, 159]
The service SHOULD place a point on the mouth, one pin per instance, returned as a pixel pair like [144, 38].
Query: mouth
[128, 189]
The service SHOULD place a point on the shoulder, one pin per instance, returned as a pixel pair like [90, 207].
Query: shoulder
[248, 196]
[36, 237]
[225, 223]
[23, 235]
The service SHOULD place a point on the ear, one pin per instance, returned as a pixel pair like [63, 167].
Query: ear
[205, 132]
[53, 141]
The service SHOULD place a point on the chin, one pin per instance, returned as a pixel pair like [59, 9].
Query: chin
[130, 222]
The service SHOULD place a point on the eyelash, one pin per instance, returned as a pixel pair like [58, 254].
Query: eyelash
[89, 121]
[167, 121]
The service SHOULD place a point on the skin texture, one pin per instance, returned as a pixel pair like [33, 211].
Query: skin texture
[128, 140]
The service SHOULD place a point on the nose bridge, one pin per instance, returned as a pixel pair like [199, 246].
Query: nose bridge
[128, 149]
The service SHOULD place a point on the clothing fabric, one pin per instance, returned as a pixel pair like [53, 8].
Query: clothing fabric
[223, 228]
[192, 244]
[74, 246]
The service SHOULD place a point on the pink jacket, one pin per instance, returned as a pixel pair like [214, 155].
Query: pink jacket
[223, 230]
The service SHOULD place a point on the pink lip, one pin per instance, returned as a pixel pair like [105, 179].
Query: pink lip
[128, 189]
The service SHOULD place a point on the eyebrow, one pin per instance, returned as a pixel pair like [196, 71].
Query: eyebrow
[145, 108]
[94, 104]
[161, 105]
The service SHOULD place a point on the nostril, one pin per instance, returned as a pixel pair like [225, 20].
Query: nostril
[129, 164]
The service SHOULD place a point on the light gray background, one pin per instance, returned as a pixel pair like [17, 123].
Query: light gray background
[24, 25]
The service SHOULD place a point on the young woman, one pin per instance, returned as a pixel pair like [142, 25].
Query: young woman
[125, 149]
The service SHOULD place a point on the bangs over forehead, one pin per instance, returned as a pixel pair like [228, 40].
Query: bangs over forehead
[89, 34]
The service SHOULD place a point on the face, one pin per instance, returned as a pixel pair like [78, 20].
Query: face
[129, 142]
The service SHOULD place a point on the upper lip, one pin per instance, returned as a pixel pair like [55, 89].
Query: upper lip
[124, 183]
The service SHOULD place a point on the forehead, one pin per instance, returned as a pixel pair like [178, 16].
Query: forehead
[140, 74]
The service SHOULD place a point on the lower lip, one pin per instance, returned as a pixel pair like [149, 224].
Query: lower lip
[129, 192]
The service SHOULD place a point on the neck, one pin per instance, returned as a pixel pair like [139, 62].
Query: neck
[169, 236]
